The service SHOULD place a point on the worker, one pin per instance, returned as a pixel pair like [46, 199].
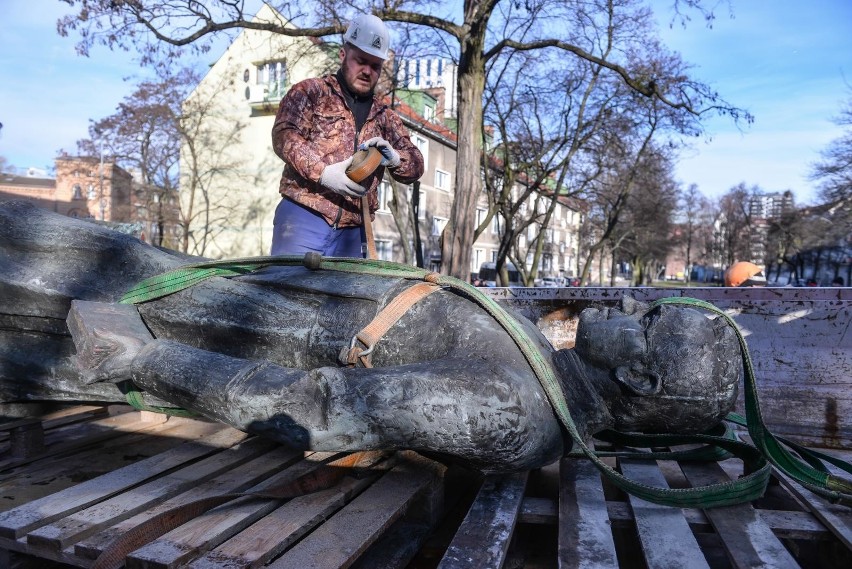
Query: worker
[744, 274]
[320, 124]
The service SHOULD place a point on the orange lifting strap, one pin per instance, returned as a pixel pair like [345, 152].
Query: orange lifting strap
[370, 335]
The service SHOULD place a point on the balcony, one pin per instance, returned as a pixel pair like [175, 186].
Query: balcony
[264, 98]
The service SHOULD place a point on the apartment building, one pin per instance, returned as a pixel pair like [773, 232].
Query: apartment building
[229, 179]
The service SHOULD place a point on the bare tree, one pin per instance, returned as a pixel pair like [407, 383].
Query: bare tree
[647, 225]
[695, 216]
[834, 174]
[740, 237]
[481, 31]
[143, 136]
[206, 163]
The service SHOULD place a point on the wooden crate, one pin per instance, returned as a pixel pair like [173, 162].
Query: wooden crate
[100, 471]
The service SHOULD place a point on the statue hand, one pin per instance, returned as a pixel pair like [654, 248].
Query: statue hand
[107, 338]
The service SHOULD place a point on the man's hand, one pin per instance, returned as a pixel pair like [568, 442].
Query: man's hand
[390, 157]
[335, 179]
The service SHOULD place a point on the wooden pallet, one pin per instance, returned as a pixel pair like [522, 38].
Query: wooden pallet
[100, 471]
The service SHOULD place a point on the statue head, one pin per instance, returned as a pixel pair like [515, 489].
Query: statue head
[670, 369]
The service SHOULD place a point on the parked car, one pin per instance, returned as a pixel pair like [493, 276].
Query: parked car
[551, 282]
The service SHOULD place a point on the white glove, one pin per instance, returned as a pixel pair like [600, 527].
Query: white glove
[335, 179]
[390, 157]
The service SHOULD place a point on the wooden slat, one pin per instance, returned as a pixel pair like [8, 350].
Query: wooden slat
[785, 524]
[18, 521]
[748, 540]
[79, 525]
[238, 479]
[205, 532]
[69, 439]
[483, 538]
[52, 474]
[666, 538]
[340, 540]
[585, 535]
[274, 533]
[836, 518]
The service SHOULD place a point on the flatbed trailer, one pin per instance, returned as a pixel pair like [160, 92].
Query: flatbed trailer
[74, 477]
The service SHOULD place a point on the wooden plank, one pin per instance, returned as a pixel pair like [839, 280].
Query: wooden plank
[69, 439]
[666, 538]
[238, 479]
[340, 540]
[396, 548]
[585, 535]
[748, 540]
[52, 474]
[483, 538]
[205, 532]
[268, 537]
[71, 529]
[542, 511]
[836, 518]
[18, 521]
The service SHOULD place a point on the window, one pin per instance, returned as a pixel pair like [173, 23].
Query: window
[442, 180]
[481, 214]
[477, 260]
[422, 145]
[421, 202]
[438, 224]
[91, 192]
[385, 196]
[273, 76]
[429, 113]
[495, 226]
[384, 249]
[77, 192]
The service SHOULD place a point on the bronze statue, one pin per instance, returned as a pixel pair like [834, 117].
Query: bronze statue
[262, 352]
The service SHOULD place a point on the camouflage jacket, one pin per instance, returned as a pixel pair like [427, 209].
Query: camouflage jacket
[314, 128]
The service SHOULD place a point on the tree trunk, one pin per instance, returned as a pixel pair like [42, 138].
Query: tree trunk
[458, 236]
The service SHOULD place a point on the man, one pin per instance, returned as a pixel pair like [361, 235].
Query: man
[321, 122]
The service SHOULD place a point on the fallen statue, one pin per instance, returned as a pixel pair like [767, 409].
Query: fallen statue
[262, 353]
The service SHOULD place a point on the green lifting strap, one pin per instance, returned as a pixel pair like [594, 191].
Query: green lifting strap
[749, 487]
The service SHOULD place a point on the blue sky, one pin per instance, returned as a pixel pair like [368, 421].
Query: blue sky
[789, 63]
[786, 61]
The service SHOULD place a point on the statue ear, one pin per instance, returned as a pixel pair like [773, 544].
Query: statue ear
[639, 381]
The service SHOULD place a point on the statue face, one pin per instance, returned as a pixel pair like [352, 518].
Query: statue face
[676, 369]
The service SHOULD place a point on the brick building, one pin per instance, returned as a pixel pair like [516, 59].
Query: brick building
[88, 188]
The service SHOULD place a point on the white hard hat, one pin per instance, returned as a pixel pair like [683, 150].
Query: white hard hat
[369, 34]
